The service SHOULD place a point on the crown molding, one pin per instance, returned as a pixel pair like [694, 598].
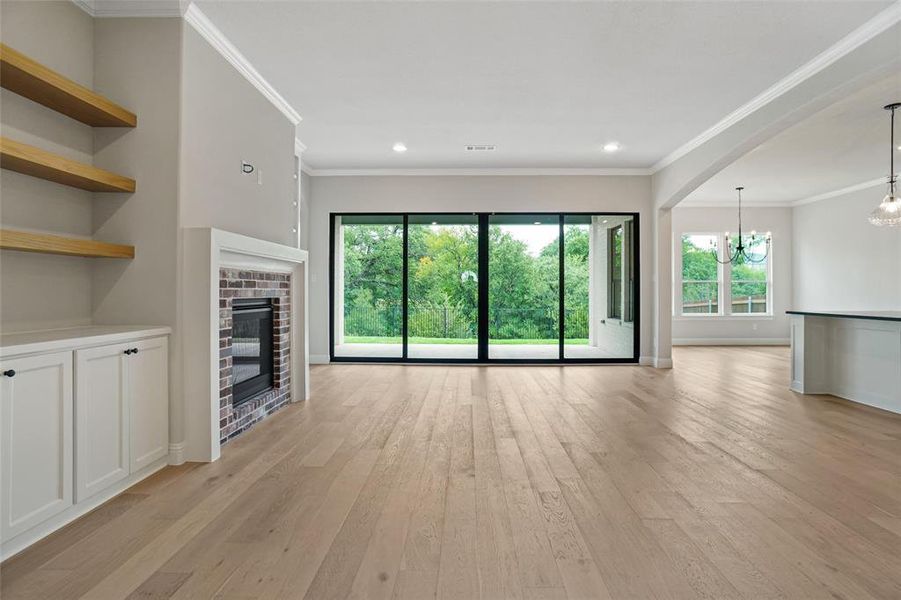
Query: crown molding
[199, 21]
[869, 30]
[841, 192]
[103, 9]
[732, 204]
[784, 203]
[508, 172]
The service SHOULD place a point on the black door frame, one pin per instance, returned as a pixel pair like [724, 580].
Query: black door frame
[483, 325]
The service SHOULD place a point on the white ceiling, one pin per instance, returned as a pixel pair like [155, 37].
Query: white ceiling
[547, 82]
[841, 146]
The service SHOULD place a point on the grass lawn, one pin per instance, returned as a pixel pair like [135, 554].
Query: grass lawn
[352, 339]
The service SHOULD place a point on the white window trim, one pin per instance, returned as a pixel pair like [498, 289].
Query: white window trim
[724, 284]
[678, 281]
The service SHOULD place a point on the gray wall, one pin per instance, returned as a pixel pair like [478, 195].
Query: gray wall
[841, 262]
[136, 61]
[226, 120]
[463, 194]
[738, 328]
[59, 35]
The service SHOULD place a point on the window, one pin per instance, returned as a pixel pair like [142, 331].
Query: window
[750, 278]
[615, 270]
[709, 288]
[464, 287]
[701, 280]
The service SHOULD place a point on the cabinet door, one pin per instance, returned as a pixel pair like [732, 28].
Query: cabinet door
[35, 440]
[101, 418]
[148, 384]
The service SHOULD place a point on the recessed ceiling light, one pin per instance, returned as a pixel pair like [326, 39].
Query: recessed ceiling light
[605, 220]
[399, 147]
[611, 146]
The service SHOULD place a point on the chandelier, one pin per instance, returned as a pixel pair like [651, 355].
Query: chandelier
[741, 254]
[889, 212]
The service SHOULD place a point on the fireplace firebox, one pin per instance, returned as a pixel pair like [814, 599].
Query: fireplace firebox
[252, 368]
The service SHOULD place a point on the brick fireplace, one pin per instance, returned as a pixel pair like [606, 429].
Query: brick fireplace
[234, 418]
[220, 268]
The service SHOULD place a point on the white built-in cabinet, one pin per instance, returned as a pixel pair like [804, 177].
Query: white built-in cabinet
[78, 426]
[37, 448]
[101, 418]
[148, 390]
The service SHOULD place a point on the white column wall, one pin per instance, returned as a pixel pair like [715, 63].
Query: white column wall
[663, 288]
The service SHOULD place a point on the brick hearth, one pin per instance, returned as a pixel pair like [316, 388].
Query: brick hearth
[238, 283]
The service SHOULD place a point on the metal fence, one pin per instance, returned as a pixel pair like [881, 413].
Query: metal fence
[749, 304]
[447, 322]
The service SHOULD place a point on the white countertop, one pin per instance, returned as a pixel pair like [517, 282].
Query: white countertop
[50, 340]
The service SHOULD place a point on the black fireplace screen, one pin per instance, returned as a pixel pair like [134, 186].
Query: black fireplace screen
[251, 348]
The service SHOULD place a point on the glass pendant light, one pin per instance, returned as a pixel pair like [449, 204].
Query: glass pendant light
[888, 214]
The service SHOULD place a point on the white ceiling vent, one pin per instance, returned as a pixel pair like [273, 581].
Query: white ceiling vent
[480, 147]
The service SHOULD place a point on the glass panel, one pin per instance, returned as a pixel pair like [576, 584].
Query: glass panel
[368, 286]
[598, 295]
[700, 297]
[443, 286]
[523, 287]
[245, 348]
[700, 274]
[749, 277]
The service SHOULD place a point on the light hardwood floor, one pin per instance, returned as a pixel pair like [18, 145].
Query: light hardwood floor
[712, 480]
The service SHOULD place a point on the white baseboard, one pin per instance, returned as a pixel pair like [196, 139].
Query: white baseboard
[319, 359]
[177, 453]
[731, 341]
[653, 361]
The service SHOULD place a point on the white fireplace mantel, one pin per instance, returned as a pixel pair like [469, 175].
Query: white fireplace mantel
[206, 250]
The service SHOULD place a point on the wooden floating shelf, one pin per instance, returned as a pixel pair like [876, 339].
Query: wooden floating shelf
[28, 78]
[29, 160]
[43, 243]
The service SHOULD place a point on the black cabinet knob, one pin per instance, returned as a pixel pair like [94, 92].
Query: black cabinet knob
[134, 350]
[9, 373]
[128, 351]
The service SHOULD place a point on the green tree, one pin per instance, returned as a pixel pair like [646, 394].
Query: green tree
[698, 264]
[443, 285]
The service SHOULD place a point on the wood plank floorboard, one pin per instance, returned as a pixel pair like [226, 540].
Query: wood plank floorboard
[710, 481]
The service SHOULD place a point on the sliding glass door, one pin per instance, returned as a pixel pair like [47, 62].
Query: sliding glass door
[599, 278]
[523, 287]
[367, 312]
[443, 287]
[484, 287]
